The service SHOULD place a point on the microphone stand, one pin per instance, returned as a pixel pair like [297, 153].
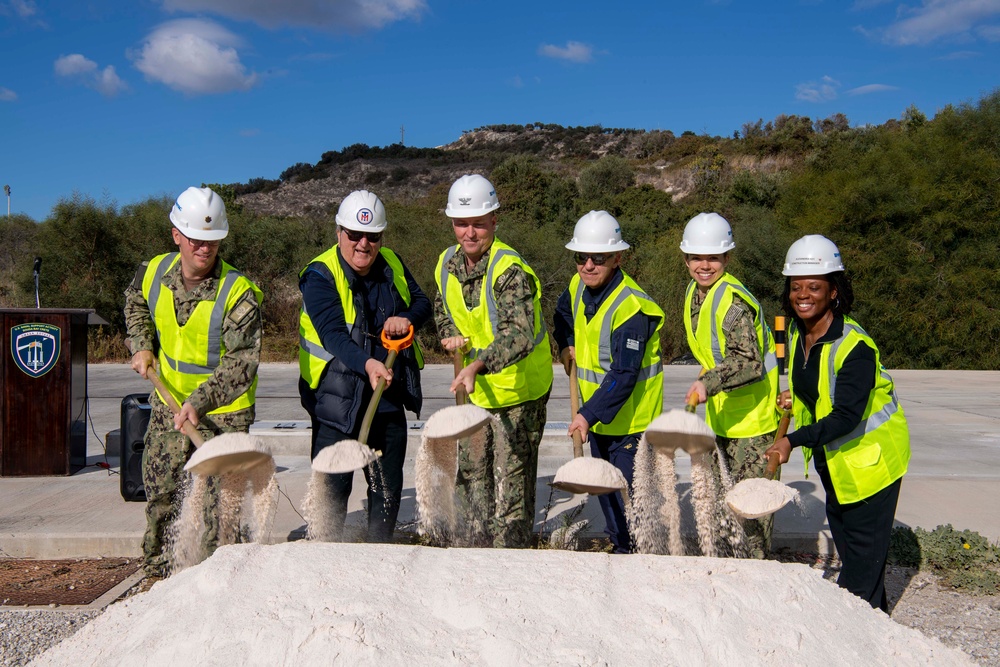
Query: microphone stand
[38, 269]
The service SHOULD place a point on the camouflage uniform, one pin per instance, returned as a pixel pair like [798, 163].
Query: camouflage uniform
[742, 364]
[497, 483]
[167, 450]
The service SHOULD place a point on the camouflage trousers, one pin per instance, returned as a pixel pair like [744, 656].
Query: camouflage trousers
[744, 458]
[497, 474]
[166, 451]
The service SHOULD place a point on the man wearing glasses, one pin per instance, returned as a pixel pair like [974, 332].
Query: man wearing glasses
[489, 306]
[611, 328]
[350, 294]
[199, 319]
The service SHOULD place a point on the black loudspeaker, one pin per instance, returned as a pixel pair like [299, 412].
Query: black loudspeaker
[135, 419]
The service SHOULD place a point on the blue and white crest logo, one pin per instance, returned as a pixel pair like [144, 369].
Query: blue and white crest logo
[35, 347]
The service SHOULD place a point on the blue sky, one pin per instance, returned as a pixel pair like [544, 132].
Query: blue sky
[124, 99]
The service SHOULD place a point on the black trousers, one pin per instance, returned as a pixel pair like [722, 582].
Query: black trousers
[384, 476]
[620, 451]
[861, 534]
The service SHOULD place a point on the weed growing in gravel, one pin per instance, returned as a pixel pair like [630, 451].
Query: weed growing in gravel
[963, 559]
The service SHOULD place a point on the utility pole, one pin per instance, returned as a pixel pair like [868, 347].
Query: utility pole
[6, 191]
[402, 135]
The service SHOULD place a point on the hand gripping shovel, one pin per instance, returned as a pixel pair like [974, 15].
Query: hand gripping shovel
[350, 455]
[446, 426]
[586, 474]
[754, 498]
[225, 453]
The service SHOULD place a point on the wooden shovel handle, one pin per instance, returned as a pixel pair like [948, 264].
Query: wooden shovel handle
[187, 427]
[773, 459]
[458, 359]
[692, 404]
[574, 404]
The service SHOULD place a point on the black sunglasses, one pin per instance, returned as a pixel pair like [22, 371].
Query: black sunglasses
[597, 258]
[355, 237]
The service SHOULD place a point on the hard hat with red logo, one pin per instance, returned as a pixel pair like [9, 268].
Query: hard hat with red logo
[362, 211]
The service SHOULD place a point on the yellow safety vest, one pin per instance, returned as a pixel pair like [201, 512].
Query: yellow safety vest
[750, 410]
[313, 357]
[592, 341]
[528, 379]
[189, 354]
[877, 452]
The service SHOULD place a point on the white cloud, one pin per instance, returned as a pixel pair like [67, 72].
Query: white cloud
[7, 95]
[319, 14]
[23, 8]
[812, 91]
[871, 88]
[938, 19]
[961, 55]
[83, 70]
[515, 81]
[250, 132]
[576, 52]
[990, 33]
[194, 56]
[74, 65]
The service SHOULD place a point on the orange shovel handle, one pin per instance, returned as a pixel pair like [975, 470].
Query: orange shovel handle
[397, 345]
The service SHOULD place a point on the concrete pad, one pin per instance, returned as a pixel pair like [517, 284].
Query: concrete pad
[953, 478]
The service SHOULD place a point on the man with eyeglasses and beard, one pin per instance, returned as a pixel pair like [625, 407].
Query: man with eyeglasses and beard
[610, 327]
[200, 319]
[351, 294]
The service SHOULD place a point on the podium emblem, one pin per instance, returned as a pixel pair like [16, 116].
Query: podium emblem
[35, 347]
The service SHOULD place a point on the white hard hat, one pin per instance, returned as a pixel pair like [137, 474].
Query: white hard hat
[598, 231]
[362, 211]
[707, 234]
[470, 197]
[813, 255]
[200, 214]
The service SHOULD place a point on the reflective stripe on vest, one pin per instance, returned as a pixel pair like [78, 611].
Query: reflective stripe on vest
[528, 379]
[877, 451]
[491, 299]
[213, 336]
[313, 357]
[746, 411]
[624, 302]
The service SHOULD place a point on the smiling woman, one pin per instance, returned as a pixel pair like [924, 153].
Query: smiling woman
[847, 415]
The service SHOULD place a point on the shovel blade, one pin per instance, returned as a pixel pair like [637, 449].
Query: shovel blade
[343, 457]
[228, 453]
[679, 429]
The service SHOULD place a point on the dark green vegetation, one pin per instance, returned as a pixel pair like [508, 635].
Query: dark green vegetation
[912, 203]
[963, 559]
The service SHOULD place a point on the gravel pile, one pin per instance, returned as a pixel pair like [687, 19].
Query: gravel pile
[25, 634]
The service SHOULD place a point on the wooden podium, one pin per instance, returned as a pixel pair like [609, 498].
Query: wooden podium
[43, 397]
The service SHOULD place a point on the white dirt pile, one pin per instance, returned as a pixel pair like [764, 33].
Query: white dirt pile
[344, 456]
[228, 452]
[754, 498]
[306, 603]
[589, 475]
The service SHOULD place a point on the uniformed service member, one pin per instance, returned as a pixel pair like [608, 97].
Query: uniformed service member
[351, 294]
[199, 319]
[611, 327]
[729, 336]
[489, 305]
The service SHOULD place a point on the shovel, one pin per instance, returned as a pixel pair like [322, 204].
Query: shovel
[591, 475]
[460, 420]
[754, 498]
[681, 429]
[225, 453]
[350, 455]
